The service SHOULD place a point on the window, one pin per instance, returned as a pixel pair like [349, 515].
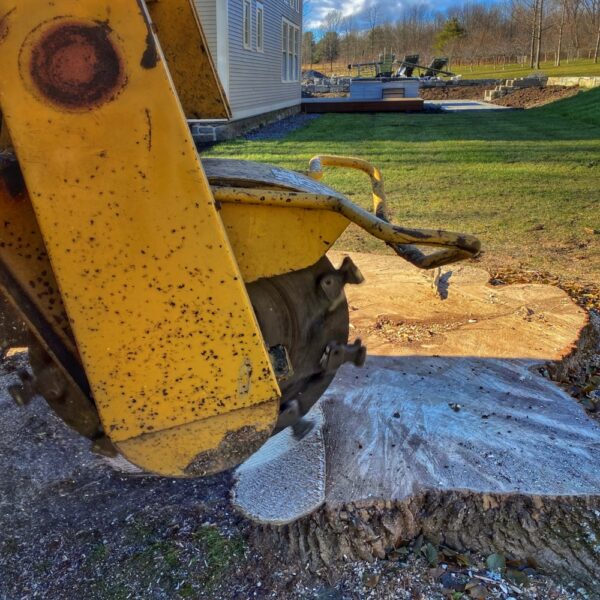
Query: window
[290, 50]
[284, 44]
[247, 24]
[296, 52]
[260, 27]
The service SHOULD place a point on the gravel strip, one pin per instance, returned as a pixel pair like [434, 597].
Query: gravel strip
[280, 129]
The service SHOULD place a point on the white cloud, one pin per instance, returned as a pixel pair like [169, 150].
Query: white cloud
[359, 9]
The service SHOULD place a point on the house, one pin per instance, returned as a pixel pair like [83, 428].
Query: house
[255, 45]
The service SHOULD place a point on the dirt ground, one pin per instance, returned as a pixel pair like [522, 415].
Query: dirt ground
[73, 527]
[522, 98]
[467, 92]
[536, 96]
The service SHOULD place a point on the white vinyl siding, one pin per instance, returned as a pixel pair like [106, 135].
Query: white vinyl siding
[207, 15]
[213, 14]
[253, 80]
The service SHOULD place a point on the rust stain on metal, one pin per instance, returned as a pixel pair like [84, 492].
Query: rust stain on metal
[149, 134]
[235, 447]
[150, 55]
[4, 29]
[77, 66]
[11, 178]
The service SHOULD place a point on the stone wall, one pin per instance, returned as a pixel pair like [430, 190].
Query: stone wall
[582, 82]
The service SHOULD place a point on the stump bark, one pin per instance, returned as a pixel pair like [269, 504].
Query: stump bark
[450, 431]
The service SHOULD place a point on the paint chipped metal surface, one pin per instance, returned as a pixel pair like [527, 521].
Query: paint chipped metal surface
[150, 274]
[154, 295]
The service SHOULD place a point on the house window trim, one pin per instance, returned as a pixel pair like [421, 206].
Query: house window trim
[260, 22]
[295, 54]
[247, 25]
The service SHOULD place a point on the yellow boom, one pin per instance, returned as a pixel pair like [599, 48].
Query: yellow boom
[162, 290]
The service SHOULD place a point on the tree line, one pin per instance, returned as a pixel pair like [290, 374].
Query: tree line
[510, 31]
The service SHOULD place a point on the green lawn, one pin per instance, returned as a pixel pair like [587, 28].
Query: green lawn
[526, 182]
[575, 68]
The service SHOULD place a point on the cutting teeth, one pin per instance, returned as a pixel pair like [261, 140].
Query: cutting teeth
[336, 355]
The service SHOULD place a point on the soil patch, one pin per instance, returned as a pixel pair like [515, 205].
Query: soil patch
[521, 98]
[73, 528]
[536, 96]
[471, 92]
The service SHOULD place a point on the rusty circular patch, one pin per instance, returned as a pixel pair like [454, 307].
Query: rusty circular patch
[76, 65]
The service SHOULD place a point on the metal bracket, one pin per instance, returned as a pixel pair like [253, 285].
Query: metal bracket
[280, 359]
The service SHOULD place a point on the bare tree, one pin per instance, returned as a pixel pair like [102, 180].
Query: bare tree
[538, 42]
[332, 21]
[575, 7]
[347, 26]
[372, 21]
[330, 43]
[535, 9]
[307, 14]
[561, 29]
[502, 32]
[593, 10]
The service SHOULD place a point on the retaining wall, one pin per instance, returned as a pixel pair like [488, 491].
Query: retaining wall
[583, 82]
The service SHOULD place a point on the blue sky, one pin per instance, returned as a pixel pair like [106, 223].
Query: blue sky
[387, 9]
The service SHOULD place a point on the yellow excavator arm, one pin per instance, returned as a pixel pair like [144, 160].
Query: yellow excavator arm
[174, 321]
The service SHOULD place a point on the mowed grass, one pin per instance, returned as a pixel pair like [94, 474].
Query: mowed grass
[526, 182]
[573, 68]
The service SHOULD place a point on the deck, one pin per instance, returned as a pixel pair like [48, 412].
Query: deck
[349, 105]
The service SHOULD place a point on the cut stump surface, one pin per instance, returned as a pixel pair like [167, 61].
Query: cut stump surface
[450, 430]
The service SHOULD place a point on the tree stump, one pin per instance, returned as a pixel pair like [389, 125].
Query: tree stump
[450, 431]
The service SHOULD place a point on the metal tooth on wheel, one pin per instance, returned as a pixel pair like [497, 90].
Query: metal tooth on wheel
[350, 272]
[296, 316]
[336, 355]
[332, 284]
[299, 323]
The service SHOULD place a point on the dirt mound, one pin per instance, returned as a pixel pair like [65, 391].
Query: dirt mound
[521, 98]
[462, 92]
[536, 96]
